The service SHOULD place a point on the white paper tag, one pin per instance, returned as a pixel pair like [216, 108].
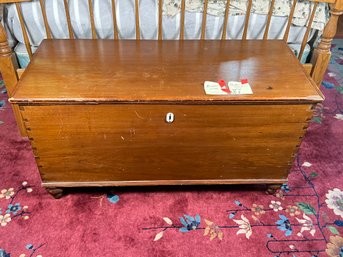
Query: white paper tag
[213, 88]
[237, 88]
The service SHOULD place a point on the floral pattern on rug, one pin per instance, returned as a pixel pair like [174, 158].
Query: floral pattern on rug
[10, 197]
[301, 220]
[31, 251]
[11, 207]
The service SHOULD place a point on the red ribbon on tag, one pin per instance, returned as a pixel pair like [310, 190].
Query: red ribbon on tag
[244, 81]
[223, 86]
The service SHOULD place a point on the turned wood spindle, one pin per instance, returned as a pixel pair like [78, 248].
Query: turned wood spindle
[8, 67]
[321, 55]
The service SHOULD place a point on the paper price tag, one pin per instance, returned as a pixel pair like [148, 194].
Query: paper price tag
[213, 88]
[232, 88]
[237, 88]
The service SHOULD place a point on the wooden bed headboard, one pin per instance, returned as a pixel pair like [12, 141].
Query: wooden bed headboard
[319, 60]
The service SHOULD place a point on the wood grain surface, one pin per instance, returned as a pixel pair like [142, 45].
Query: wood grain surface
[86, 71]
[132, 142]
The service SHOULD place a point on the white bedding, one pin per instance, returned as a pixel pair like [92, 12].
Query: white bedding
[281, 8]
[126, 22]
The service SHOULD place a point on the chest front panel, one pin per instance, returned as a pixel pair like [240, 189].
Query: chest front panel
[142, 142]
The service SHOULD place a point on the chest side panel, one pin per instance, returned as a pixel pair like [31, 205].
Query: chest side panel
[127, 142]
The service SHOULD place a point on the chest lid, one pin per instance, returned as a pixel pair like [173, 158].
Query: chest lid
[108, 71]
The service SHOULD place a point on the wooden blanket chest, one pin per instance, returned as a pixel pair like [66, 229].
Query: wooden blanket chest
[117, 113]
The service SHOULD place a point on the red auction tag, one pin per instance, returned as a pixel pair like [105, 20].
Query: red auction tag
[223, 86]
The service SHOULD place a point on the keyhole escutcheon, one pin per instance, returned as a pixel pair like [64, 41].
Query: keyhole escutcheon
[170, 117]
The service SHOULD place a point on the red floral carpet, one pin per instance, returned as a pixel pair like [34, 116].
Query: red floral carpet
[304, 219]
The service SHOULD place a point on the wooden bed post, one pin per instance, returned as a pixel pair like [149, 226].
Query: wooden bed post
[8, 67]
[321, 55]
